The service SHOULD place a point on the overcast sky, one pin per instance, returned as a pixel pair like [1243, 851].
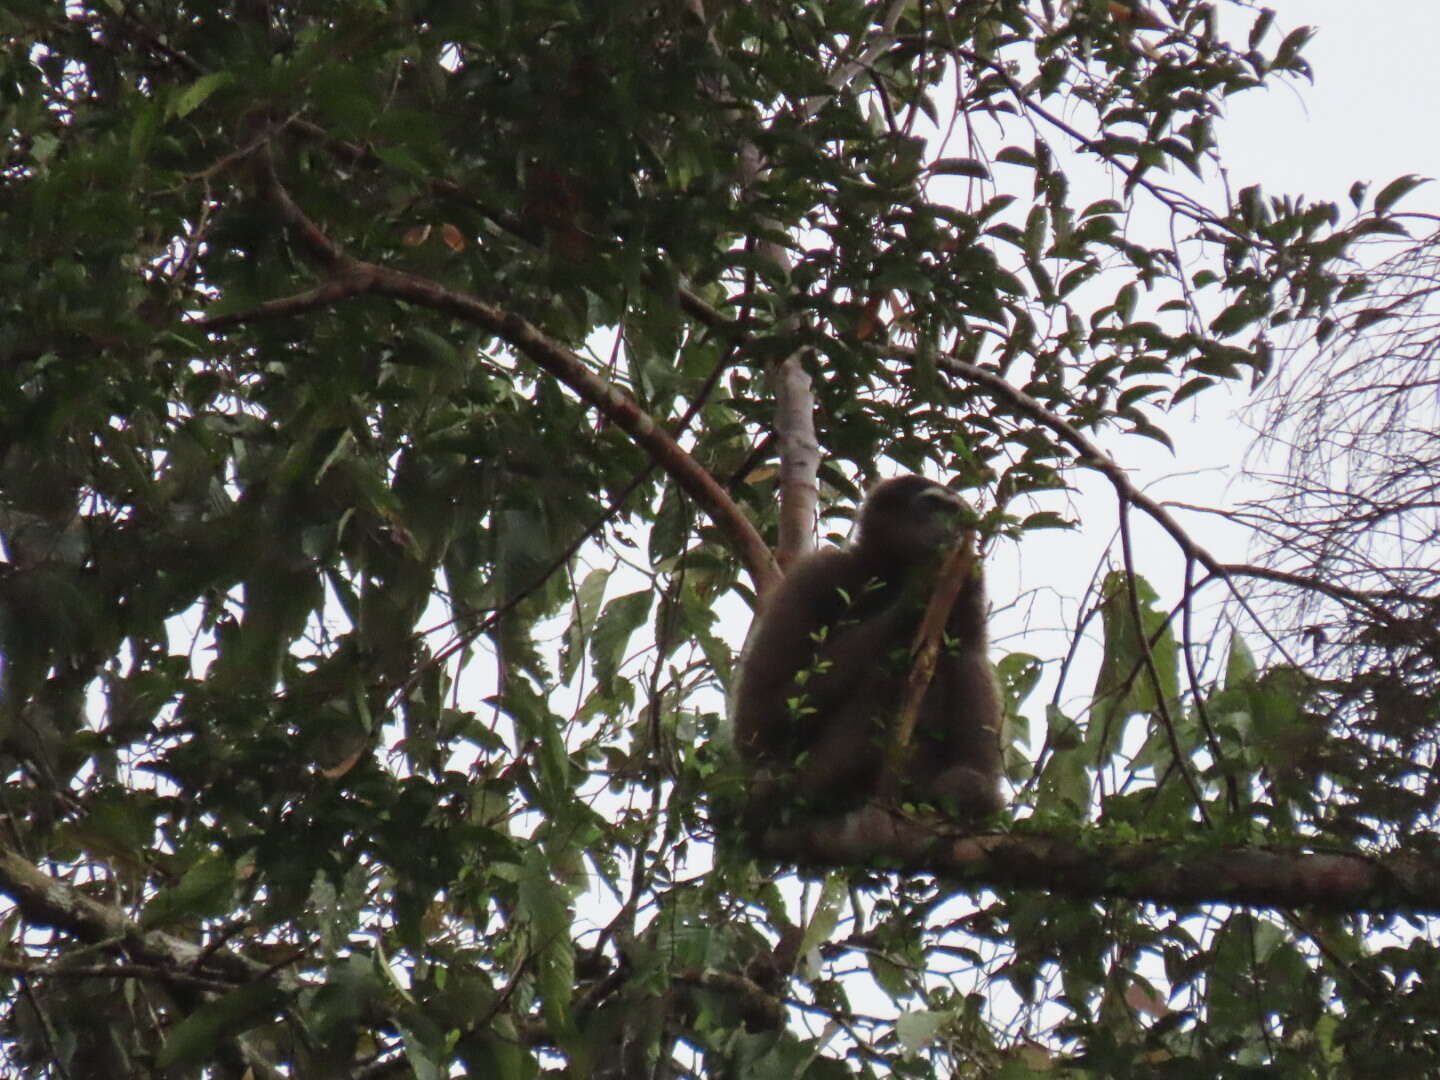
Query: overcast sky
[1370, 112]
[1367, 116]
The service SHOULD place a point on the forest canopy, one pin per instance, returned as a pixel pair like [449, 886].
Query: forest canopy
[405, 403]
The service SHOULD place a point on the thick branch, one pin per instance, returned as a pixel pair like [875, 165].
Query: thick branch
[45, 901]
[351, 281]
[113, 971]
[762, 1010]
[799, 459]
[1166, 873]
[794, 427]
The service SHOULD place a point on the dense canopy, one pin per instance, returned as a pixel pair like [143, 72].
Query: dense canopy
[404, 402]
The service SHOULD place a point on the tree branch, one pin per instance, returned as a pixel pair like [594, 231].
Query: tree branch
[1165, 873]
[351, 281]
[46, 901]
[958, 567]
[112, 971]
[617, 406]
[351, 277]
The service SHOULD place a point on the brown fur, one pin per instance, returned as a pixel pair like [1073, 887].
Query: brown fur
[825, 668]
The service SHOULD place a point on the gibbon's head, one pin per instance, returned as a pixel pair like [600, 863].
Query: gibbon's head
[907, 520]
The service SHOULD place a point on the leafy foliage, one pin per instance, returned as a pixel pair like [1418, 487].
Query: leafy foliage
[365, 646]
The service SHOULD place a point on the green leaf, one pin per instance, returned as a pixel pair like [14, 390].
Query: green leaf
[611, 638]
[43, 147]
[991, 207]
[194, 1039]
[827, 914]
[919, 1028]
[1190, 388]
[1125, 684]
[1371, 316]
[193, 96]
[1133, 394]
[961, 167]
[1036, 223]
[545, 912]
[1016, 155]
[1263, 21]
[582, 621]
[1077, 277]
[1141, 425]
[148, 117]
[425, 1049]
[1287, 56]
[893, 978]
[1396, 190]
[1240, 664]
[1063, 787]
[1046, 519]
[1019, 674]
[1235, 317]
[205, 891]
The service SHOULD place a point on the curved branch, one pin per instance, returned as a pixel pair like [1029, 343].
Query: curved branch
[1091, 454]
[352, 277]
[617, 406]
[345, 284]
[1095, 458]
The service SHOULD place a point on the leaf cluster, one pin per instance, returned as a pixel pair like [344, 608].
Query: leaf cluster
[364, 643]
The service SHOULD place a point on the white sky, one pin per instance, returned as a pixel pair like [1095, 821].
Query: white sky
[1366, 117]
[1370, 113]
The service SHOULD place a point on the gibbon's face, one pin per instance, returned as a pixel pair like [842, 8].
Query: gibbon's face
[908, 518]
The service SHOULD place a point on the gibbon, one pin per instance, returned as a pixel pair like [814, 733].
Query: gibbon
[825, 668]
